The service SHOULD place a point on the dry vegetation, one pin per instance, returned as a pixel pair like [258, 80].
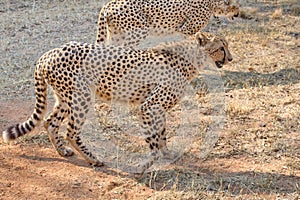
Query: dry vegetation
[257, 155]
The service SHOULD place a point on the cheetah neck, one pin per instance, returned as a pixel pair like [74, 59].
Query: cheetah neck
[190, 51]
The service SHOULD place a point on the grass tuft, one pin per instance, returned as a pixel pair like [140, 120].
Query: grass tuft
[248, 13]
[277, 14]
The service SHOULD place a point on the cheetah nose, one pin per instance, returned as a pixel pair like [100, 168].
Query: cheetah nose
[230, 59]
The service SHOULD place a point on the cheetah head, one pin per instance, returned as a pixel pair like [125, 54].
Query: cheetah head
[230, 9]
[216, 47]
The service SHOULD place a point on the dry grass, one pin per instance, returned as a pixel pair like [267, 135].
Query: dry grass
[277, 14]
[248, 13]
[258, 152]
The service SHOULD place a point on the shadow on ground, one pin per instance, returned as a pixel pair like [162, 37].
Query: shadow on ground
[239, 80]
[198, 180]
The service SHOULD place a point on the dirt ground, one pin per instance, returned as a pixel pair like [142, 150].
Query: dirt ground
[257, 155]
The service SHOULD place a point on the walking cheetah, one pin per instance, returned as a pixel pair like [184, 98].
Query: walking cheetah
[128, 22]
[155, 79]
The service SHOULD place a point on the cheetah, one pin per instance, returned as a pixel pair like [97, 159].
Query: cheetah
[154, 79]
[127, 23]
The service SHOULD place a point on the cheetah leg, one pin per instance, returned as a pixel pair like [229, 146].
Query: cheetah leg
[153, 121]
[162, 142]
[52, 125]
[77, 117]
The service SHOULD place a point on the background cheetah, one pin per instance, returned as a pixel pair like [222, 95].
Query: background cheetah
[123, 22]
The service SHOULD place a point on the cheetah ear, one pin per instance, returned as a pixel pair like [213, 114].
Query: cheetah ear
[201, 39]
[227, 2]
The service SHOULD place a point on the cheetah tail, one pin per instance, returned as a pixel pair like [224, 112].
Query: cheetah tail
[102, 27]
[21, 129]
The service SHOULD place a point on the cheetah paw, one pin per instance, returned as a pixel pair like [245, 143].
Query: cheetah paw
[65, 151]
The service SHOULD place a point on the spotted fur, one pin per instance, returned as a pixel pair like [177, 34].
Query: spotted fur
[154, 79]
[128, 22]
